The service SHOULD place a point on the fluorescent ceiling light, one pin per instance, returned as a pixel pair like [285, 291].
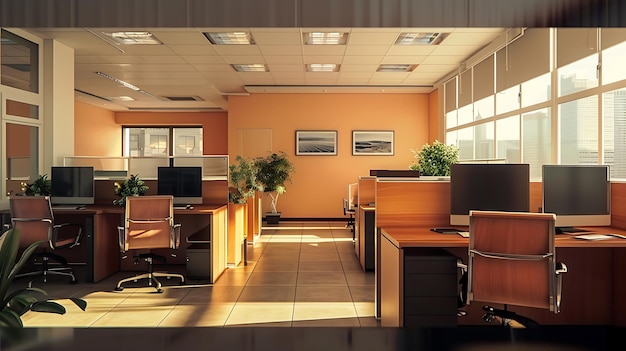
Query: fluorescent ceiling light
[322, 67]
[124, 98]
[325, 38]
[254, 67]
[420, 38]
[133, 38]
[129, 86]
[119, 81]
[396, 68]
[231, 38]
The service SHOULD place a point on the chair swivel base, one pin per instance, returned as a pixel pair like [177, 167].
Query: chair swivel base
[493, 314]
[65, 271]
[152, 279]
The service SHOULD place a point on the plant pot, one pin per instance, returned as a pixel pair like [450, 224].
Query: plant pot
[272, 218]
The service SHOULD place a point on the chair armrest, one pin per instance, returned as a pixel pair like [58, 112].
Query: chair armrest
[55, 235]
[175, 236]
[560, 268]
[121, 238]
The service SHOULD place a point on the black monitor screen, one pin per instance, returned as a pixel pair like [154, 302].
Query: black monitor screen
[488, 187]
[72, 185]
[184, 183]
[577, 194]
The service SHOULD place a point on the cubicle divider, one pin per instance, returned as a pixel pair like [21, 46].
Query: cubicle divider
[407, 203]
[364, 226]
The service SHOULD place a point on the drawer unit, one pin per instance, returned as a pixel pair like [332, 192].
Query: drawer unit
[430, 287]
[199, 261]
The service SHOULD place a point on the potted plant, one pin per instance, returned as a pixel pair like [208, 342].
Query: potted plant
[243, 180]
[273, 171]
[243, 183]
[435, 159]
[39, 187]
[132, 186]
[18, 302]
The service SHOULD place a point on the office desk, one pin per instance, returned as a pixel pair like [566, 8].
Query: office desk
[101, 252]
[593, 287]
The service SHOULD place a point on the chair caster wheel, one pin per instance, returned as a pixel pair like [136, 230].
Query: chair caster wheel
[74, 282]
[119, 288]
[159, 291]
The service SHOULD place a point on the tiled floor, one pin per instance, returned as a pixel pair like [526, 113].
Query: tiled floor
[298, 274]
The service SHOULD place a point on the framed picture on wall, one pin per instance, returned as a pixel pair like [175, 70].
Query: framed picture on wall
[316, 142]
[372, 142]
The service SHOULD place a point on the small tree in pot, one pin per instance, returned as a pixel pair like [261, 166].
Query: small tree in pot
[273, 171]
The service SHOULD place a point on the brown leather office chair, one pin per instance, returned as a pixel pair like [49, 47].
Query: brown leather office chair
[512, 261]
[149, 224]
[32, 216]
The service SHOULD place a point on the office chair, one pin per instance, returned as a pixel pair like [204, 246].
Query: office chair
[149, 224]
[32, 216]
[349, 212]
[512, 261]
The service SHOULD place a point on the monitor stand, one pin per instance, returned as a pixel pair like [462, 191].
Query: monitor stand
[569, 230]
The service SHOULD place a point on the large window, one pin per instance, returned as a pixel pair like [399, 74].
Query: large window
[578, 131]
[614, 131]
[20, 62]
[571, 111]
[162, 141]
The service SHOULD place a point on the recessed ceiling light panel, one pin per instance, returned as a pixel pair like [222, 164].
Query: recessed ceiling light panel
[325, 38]
[407, 38]
[396, 68]
[322, 67]
[133, 38]
[230, 38]
[254, 67]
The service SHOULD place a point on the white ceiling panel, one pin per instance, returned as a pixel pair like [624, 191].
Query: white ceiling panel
[187, 63]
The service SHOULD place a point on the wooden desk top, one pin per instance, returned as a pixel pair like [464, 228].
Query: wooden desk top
[403, 237]
[367, 208]
[112, 209]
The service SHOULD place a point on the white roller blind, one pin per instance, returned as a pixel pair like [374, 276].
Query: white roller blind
[572, 44]
[483, 78]
[451, 95]
[612, 36]
[465, 88]
[527, 57]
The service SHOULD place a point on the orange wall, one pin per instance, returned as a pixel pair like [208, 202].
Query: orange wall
[214, 125]
[95, 131]
[320, 182]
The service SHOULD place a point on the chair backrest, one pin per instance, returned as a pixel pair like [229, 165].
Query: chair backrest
[512, 259]
[149, 222]
[32, 217]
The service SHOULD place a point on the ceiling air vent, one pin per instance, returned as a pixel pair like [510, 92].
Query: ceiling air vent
[183, 98]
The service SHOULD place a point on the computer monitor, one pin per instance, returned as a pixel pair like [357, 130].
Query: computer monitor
[72, 185]
[184, 183]
[488, 187]
[579, 195]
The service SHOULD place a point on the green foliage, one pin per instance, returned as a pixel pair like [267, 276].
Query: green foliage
[273, 171]
[243, 180]
[132, 186]
[13, 305]
[40, 187]
[435, 159]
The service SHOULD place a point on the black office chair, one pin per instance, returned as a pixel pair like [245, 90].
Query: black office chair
[32, 216]
[350, 213]
[512, 261]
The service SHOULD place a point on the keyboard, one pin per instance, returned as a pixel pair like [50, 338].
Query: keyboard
[464, 234]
